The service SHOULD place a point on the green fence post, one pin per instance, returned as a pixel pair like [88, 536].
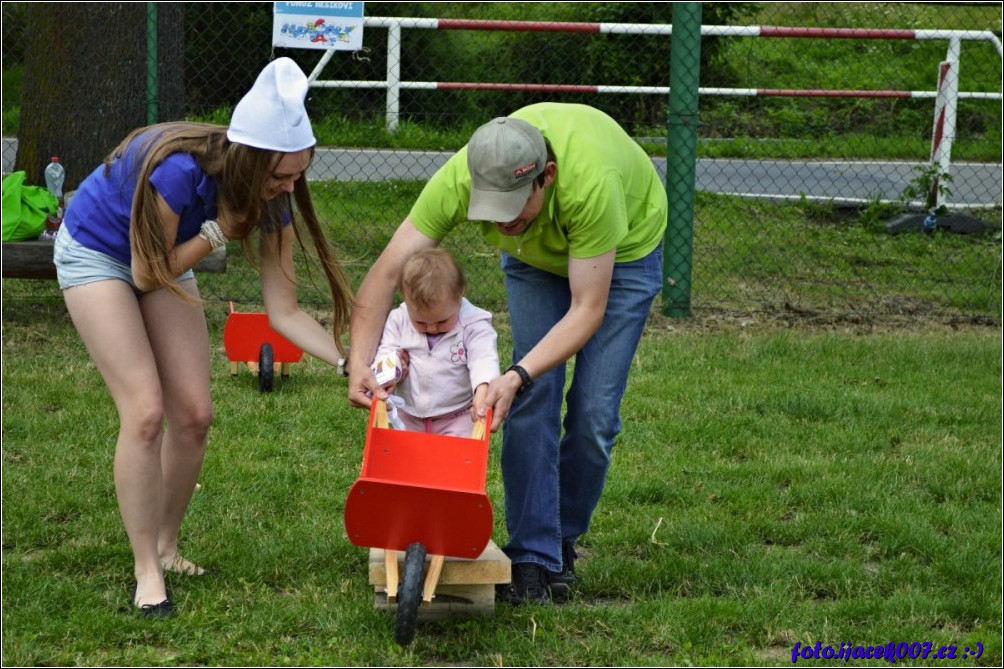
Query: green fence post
[151, 63]
[681, 157]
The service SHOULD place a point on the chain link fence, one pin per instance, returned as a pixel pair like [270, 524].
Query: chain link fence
[829, 136]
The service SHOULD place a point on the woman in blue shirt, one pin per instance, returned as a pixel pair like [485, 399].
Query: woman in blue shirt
[164, 199]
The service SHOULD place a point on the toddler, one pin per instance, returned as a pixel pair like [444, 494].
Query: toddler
[447, 345]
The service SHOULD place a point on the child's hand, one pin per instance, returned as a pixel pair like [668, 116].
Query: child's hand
[405, 358]
[479, 399]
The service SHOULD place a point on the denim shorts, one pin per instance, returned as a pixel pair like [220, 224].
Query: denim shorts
[76, 264]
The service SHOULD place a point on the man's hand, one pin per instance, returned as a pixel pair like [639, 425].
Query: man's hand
[363, 386]
[501, 393]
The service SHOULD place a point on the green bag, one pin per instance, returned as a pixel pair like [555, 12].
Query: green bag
[25, 208]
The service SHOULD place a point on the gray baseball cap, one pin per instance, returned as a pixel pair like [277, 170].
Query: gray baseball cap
[504, 156]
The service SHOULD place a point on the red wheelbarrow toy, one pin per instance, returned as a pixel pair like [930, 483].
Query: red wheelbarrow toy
[423, 494]
[248, 338]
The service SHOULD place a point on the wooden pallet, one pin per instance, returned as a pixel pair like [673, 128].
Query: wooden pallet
[465, 587]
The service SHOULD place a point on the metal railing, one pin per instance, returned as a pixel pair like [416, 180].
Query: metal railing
[947, 94]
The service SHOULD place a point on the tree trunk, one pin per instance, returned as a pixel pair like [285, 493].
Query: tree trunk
[86, 81]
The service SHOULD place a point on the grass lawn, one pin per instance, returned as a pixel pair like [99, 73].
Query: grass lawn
[770, 487]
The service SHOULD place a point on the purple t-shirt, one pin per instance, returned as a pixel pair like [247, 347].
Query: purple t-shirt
[99, 213]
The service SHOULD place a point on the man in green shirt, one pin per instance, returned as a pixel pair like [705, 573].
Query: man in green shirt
[579, 212]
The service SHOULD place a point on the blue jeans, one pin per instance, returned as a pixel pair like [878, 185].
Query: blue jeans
[553, 482]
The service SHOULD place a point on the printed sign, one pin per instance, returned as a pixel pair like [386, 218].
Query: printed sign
[318, 25]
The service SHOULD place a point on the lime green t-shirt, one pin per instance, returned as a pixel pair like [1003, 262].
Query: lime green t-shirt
[606, 194]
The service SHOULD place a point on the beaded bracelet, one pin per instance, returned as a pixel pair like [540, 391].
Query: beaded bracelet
[213, 234]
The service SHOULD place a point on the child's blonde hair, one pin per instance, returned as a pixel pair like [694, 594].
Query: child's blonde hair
[432, 275]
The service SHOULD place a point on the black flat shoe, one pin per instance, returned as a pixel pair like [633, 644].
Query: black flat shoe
[164, 609]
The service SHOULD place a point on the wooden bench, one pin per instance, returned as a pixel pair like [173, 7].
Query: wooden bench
[32, 259]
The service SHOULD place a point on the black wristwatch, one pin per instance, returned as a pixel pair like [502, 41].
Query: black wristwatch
[527, 381]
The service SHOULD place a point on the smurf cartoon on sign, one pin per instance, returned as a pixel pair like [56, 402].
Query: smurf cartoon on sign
[318, 25]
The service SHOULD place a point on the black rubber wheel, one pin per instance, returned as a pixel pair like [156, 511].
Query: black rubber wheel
[266, 368]
[409, 594]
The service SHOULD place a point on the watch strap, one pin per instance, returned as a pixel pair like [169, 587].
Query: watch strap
[524, 376]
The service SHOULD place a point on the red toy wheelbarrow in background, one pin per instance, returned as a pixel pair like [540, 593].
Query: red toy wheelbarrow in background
[248, 338]
[423, 494]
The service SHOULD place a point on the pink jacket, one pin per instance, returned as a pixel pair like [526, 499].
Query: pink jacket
[443, 380]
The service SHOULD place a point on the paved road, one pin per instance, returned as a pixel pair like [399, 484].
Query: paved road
[848, 182]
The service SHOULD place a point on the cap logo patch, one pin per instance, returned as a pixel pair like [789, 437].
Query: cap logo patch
[521, 171]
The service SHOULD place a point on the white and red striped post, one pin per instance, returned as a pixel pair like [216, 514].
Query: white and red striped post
[945, 110]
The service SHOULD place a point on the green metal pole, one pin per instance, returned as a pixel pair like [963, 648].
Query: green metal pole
[151, 63]
[681, 157]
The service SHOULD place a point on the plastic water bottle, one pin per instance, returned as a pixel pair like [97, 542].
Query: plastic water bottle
[55, 175]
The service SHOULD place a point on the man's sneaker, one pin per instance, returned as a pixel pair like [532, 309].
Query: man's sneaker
[530, 585]
[563, 582]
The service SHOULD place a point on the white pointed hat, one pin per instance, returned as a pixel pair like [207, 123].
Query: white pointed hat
[272, 115]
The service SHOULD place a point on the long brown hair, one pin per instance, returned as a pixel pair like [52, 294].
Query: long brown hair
[240, 172]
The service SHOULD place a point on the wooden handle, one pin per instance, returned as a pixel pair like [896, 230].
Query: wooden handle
[380, 418]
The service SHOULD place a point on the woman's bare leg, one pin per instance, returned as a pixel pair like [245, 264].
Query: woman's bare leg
[180, 341]
[116, 330]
